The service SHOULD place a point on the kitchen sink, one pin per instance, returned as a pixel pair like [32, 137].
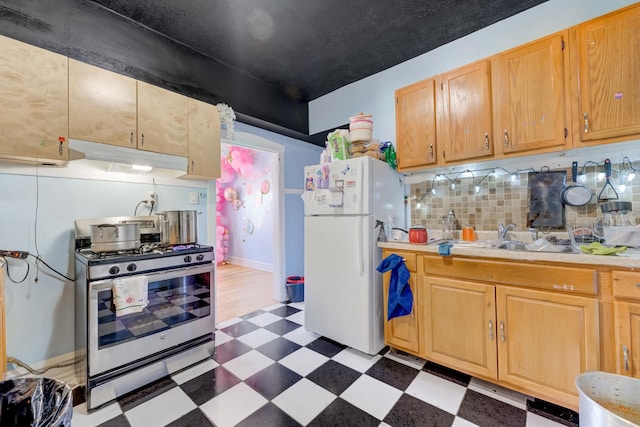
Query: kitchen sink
[522, 246]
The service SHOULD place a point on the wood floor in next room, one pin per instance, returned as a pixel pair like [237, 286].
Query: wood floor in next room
[241, 290]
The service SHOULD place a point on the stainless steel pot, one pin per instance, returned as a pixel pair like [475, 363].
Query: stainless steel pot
[608, 400]
[115, 237]
[181, 227]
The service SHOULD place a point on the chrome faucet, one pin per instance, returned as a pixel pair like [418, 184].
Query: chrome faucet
[504, 229]
[534, 233]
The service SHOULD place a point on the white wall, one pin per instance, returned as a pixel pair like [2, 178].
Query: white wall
[375, 94]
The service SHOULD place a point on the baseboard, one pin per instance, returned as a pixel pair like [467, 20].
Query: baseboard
[251, 264]
[65, 374]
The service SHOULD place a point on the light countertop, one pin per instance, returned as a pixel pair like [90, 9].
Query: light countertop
[483, 249]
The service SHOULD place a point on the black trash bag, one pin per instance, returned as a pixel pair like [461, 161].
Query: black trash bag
[35, 402]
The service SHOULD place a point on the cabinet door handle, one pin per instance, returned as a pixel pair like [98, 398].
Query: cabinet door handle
[625, 354]
[131, 139]
[506, 138]
[491, 330]
[586, 122]
[431, 151]
[142, 139]
[193, 165]
[486, 141]
[503, 338]
[60, 149]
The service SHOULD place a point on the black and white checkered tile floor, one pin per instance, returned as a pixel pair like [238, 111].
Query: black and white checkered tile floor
[269, 371]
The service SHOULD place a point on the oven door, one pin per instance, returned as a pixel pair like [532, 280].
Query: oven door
[181, 308]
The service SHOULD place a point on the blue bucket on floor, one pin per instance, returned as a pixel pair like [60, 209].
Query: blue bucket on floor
[295, 288]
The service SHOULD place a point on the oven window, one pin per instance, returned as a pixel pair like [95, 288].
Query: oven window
[172, 303]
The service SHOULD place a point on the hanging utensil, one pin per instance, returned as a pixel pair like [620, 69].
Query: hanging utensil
[607, 173]
[576, 194]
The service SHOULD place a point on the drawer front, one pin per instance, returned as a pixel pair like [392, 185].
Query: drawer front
[409, 258]
[556, 278]
[626, 284]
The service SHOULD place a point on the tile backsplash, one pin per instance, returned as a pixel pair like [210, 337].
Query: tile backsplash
[501, 199]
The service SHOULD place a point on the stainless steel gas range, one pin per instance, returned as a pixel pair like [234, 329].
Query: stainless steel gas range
[174, 329]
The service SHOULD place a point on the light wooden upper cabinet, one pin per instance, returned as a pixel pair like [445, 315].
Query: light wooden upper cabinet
[464, 121]
[607, 55]
[162, 120]
[102, 105]
[416, 125]
[545, 340]
[204, 140]
[33, 102]
[460, 325]
[531, 96]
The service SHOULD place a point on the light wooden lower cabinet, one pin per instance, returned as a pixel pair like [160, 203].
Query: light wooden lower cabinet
[459, 325]
[628, 338]
[545, 340]
[490, 326]
[403, 332]
[626, 290]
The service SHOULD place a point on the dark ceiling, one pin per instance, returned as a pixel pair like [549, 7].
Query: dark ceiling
[308, 49]
[265, 58]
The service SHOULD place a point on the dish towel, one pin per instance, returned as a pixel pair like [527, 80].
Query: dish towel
[400, 296]
[130, 294]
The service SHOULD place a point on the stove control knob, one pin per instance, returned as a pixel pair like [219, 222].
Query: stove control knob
[114, 270]
[187, 258]
[200, 257]
[132, 267]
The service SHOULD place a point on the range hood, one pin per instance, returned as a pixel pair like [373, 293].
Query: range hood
[129, 156]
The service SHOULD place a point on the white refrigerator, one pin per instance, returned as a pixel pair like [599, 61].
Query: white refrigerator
[343, 291]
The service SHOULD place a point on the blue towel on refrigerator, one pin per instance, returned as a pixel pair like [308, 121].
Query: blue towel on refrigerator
[400, 296]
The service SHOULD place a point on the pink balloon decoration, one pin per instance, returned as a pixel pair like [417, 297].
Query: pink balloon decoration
[230, 194]
[246, 169]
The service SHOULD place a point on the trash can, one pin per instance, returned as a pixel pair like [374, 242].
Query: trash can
[35, 402]
[608, 399]
[295, 288]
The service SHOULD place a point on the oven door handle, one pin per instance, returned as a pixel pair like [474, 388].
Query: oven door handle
[106, 284]
[101, 286]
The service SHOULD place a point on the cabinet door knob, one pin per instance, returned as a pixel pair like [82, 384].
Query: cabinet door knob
[586, 122]
[506, 138]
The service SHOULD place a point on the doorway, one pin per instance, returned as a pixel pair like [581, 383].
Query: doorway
[260, 273]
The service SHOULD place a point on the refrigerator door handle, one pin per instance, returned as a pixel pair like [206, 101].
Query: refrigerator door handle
[360, 245]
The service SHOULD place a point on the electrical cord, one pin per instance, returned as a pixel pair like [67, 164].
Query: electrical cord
[135, 211]
[20, 363]
[39, 259]
[9, 272]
